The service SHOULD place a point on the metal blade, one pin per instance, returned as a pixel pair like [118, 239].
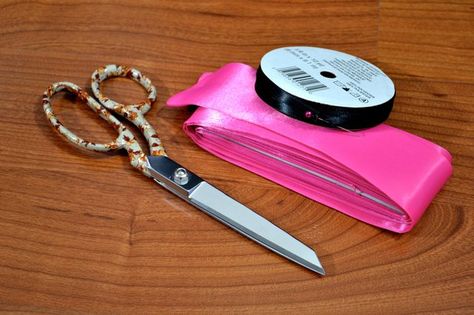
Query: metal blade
[232, 213]
[215, 203]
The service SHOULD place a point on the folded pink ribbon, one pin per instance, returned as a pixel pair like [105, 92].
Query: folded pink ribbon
[383, 175]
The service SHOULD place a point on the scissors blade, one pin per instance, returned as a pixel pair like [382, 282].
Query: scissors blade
[232, 213]
[237, 216]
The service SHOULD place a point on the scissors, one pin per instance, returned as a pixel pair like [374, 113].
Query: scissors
[168, 173]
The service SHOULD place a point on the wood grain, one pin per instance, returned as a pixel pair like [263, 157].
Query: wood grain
[85, 233]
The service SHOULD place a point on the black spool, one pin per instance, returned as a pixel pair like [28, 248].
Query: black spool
[320, 113]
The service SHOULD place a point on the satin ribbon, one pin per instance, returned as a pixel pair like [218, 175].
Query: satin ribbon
[383, 175]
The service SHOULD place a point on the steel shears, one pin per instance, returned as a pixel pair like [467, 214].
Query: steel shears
[168, 173]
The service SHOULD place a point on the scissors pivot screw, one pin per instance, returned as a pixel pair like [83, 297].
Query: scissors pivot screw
[181, 176]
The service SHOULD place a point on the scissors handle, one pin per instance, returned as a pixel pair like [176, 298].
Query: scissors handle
[135, 113]
[125, 139]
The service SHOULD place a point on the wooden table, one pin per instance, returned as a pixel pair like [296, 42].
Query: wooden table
[85, 233]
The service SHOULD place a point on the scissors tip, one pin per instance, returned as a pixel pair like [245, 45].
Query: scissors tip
[317, 269]
[314, 264]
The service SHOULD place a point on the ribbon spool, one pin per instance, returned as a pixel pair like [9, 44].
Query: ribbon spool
[325, 87]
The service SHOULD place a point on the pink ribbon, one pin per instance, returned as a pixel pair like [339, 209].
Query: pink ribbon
[383, 175]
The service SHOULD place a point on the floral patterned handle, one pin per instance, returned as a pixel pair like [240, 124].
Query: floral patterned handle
[135, 113]
[125, 139]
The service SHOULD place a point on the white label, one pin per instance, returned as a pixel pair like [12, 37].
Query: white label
[328, 77]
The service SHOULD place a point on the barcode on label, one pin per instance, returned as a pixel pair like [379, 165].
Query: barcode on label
[302, 78]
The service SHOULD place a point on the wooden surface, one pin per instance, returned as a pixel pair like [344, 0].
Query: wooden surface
[85, 233]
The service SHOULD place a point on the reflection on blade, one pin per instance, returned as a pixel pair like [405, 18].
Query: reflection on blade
[245, 221]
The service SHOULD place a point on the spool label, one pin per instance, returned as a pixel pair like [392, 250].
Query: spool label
[328, 77]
